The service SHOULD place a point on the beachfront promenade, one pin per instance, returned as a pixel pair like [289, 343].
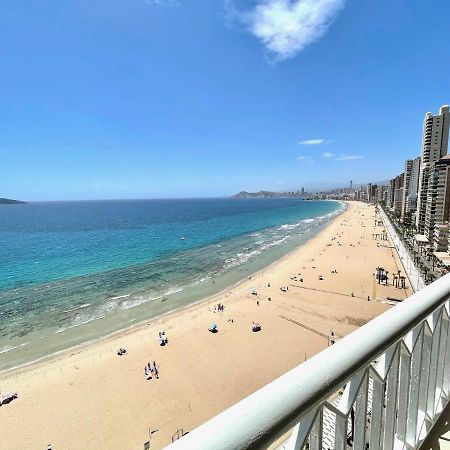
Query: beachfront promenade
[414, 276]
[381, 387]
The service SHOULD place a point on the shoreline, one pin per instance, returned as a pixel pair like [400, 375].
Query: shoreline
[136, 327]
[203, 373]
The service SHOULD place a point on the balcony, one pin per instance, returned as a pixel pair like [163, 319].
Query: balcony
[383, 386]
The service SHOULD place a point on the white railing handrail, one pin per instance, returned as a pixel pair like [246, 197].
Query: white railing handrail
[264, 416]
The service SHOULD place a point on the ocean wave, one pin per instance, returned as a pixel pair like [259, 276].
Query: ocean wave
[119, 297]
[9, 349]
[75, 308]
[243, 257]
[79, 324]
[136, 302]
[308, 220]
[174, 290]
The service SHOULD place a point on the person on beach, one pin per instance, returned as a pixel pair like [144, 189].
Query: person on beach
[257, 302]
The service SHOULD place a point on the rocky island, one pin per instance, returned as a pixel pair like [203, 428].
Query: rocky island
[8, 201]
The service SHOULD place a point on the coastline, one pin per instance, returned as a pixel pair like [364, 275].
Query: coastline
[142, 322]
[136, 327]
[203, 373]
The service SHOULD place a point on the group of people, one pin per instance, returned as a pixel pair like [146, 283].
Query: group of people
[163, 340]
[219, 307]
[151, 371]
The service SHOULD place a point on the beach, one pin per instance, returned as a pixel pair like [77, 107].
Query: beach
[89, 397]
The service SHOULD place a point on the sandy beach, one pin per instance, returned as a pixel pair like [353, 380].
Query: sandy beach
[91, 398]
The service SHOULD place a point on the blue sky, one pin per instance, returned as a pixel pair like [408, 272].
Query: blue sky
[180, 98]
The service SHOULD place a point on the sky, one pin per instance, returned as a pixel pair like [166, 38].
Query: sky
[104, 99]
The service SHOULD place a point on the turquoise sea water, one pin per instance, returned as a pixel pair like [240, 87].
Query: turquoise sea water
[74, 271]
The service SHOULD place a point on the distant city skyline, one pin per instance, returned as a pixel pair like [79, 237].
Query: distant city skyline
[170, 98]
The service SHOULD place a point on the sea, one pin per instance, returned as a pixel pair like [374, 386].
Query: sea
[71, 272]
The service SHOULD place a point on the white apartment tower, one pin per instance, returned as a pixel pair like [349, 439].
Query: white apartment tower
[434, 147]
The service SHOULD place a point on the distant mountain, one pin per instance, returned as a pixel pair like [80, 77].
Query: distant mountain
[265, 194]
[8, 201]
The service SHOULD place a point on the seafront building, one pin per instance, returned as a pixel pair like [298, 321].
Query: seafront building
[421, 194]
[434, 147]
[398, 193]
[410, 187]
[441, 237]
[437, 210]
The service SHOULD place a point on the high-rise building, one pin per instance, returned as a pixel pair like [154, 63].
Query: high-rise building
[411, 186]
[434, 147]
[303, 191]
[437, 209]
[398, 192]
[407, 178]
[390, 193]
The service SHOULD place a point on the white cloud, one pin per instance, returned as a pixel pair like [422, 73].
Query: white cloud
[348, 158]
[312, 142]
[327, 155]
[286, 27]
[305, 159]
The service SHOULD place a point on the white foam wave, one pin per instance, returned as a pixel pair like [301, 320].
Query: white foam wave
[79, 324]
[119, 297]
[75, 308]
[9, 349]
[174, 290]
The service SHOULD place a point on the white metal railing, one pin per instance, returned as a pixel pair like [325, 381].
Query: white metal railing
[382, 387]
[413, 273]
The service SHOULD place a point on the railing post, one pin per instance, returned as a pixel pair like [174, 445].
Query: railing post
[376, 420]
[391, 402]
[414, 388]
[436, 318]
[360, 425]
[403, 391]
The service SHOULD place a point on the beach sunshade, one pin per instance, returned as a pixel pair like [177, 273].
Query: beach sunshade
[213, 326]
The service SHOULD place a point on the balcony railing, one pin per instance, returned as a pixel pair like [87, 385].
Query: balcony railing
[382, 387]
